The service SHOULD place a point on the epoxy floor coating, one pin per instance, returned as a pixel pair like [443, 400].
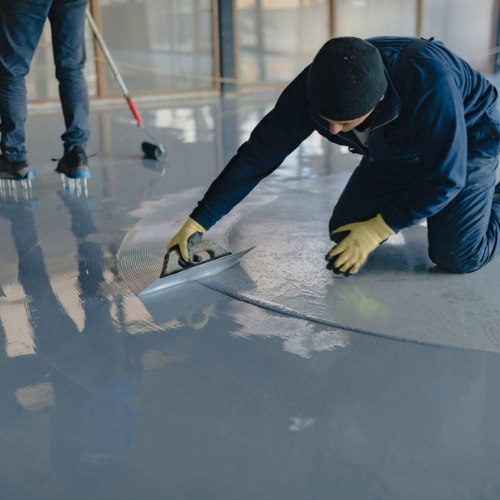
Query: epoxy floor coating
[274, 380]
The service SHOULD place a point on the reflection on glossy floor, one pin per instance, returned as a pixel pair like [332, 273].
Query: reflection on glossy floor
[274, 380]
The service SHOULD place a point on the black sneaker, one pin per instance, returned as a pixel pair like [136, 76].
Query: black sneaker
[16, 170]
[74, 164]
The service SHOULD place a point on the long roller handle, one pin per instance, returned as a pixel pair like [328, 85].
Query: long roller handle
[114, 69]
[135, 112]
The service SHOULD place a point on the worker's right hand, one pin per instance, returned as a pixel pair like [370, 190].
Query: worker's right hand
[190, 231]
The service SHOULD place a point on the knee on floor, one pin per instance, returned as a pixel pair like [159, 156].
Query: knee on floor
[456, 262]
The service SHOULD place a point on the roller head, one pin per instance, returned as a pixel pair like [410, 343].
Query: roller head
[153, 151]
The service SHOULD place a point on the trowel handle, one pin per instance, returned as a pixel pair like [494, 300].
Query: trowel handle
[194, 239]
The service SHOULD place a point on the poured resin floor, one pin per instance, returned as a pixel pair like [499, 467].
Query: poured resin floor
[277, 379]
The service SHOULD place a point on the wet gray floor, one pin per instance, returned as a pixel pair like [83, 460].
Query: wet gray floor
[274, 380]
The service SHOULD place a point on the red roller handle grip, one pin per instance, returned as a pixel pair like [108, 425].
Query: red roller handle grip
[135, 112]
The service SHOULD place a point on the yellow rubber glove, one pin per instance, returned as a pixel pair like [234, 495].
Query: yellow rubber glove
[188, 230]
[351, 253]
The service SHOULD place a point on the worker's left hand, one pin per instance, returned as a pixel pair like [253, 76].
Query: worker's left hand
[351, 253]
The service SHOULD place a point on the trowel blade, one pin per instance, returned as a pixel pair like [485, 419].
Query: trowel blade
[195, 273]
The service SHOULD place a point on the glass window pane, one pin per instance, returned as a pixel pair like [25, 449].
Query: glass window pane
[41, 83]
[159, 45]
[465, 26]
[366, 18]
[278, 38]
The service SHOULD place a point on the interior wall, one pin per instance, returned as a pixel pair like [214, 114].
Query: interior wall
[165, 46]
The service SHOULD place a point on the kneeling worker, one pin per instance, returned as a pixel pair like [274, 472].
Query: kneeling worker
[427, 128]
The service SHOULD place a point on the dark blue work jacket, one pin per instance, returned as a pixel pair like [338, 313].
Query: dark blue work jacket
[436, 112]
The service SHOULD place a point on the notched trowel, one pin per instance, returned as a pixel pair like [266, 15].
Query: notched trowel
[209, 259]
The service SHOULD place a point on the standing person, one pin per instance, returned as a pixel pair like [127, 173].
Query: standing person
[427, 128]
[21, 25]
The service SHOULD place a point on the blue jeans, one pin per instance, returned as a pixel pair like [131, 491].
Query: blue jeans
[21, 25]
[465, 235]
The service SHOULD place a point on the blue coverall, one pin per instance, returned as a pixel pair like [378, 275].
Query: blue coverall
[21, 25]
[432, 154]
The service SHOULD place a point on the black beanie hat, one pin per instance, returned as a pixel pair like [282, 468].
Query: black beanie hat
[346, 79]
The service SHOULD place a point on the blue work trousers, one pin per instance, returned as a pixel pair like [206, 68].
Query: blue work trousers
[21, 25]
[464, 236]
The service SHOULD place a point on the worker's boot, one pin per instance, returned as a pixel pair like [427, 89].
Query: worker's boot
[15, 170]
[74, 164]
